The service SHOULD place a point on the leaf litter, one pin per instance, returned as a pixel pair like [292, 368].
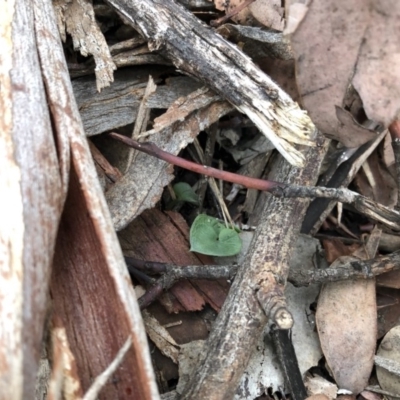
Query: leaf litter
[337, 69]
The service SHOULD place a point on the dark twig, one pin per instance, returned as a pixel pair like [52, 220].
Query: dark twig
[371, 209]
[173, 274]
[208, 154]
[287, 358]
[355, 269]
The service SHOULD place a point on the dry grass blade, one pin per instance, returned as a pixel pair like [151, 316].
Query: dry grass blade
[101, 380]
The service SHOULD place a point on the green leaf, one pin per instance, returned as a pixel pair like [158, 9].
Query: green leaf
[184, 192]
[209, 236]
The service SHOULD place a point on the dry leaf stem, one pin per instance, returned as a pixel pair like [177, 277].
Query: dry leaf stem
[370, 208]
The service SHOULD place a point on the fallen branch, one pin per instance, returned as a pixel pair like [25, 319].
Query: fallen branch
[256, 296]
[368, 207]
[197, 50]
[173, 274]
[348, 269]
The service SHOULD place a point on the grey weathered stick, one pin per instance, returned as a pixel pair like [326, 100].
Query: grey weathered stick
[257, 292]
[348, 269]
[197, 50]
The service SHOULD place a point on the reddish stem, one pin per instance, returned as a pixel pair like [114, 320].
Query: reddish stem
[153, 150]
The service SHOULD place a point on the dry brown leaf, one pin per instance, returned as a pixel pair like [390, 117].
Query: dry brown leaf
[388, 154]
[375, 181]
[342, 43]
[268, 13]
[347, 324]
[335, 248]
[346, 320]
[390, 280]
[389, 349]
[367, 395]
[161, 337]
[318, 397]
[317, 385]
[265, 12]
[378, 68]
[293, 18]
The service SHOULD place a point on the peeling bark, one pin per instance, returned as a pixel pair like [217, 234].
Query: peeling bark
[30, 205]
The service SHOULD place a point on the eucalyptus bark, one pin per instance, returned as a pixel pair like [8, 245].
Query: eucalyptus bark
[91, 291]
[30, 202]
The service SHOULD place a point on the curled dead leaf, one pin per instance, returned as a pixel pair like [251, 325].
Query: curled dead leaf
[342, 45]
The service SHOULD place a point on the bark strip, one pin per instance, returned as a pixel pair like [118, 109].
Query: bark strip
[30, 202]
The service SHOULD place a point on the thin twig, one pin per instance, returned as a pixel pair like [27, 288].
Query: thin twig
[368, 207]
[102, 379]
[214, 187]
[113, 173]
[349, 269]
[173, 274]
